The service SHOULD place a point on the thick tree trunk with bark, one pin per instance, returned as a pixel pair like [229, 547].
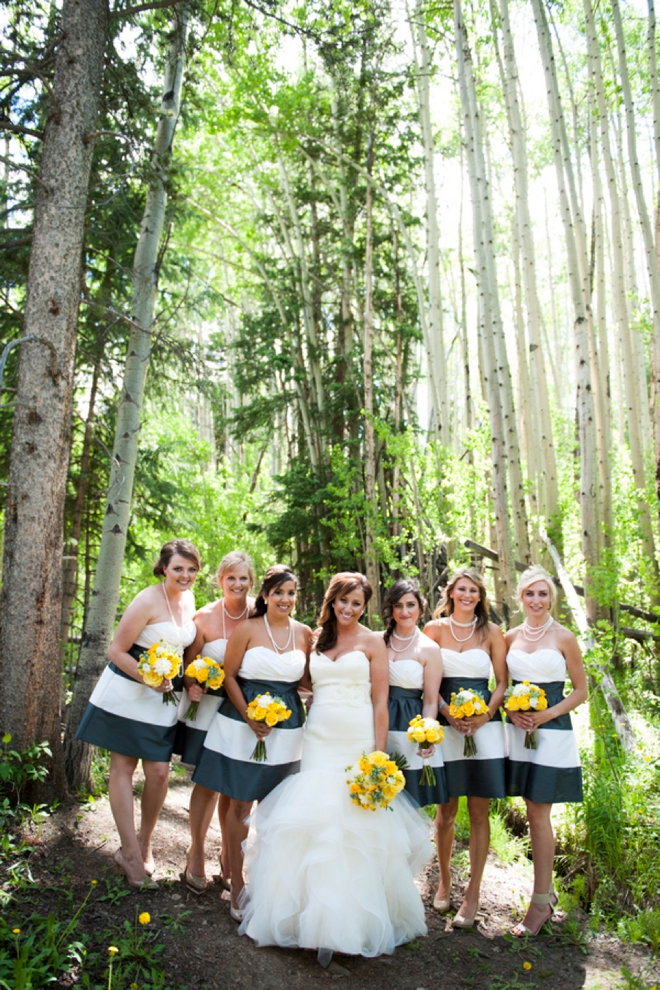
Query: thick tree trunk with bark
[103, 606]
[32, 564]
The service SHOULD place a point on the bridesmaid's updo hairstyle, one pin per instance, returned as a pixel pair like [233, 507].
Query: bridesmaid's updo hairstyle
[340, 584]
[275, 576]
[235, 558]
[407, 586]
[531, 576]
[183, 547]
[446, 606]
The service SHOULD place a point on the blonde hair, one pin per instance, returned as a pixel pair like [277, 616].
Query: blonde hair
[235, 558]
[531, 576]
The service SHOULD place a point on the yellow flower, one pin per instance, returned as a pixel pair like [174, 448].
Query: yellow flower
[527, 965]
[202, 674]
[271, 719]
[377, 758]
[16, 931]
[365, 765]
[468, 709]
[94, 883]
[647, 758]
[113, 950]
[152, 680]
[144, 918]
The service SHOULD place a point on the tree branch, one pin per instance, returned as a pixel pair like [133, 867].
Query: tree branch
[6, 125]
[156, 5]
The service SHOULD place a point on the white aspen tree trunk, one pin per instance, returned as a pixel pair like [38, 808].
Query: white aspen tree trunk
[436, 329]
[539, 386]
[644, 220]
[527, 410]
[103, 606]
[486, 316]
[31, 601]
[370, 447]
[577, 272]
[655, 349]
[553, 355]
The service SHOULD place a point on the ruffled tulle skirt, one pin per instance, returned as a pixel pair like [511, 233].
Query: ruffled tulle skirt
[324, 873]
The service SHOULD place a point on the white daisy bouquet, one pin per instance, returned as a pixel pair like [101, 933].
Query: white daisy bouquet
[161, 662]
[375, 781]
[427, 732]
[464, 704]
[265, 708]
[206, 672]
[525, 697]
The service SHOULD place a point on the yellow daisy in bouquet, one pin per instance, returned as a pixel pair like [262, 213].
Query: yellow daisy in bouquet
[464, 704]
[207, 672]
[375, 781]
[525, 697]
[426, 732]
[161, 662]
[265, 708]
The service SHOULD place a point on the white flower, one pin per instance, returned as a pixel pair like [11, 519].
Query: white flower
[162, 666]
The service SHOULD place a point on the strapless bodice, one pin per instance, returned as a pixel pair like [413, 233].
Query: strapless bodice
[539, 667]
[406, 673]
[167, 632]
[470, 663]
[346, 680]
[263, 664]
[215, 649]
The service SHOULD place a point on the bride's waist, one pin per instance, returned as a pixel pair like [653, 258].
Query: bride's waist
[347, 697]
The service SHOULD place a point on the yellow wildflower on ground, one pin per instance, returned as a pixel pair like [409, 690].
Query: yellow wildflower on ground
[144, 918]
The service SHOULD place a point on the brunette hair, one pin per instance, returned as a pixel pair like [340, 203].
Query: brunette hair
[407, 586]
[235, 558]
[340, 584]
[183, 547]
[446, 606]
[530, 576]
[275, 576]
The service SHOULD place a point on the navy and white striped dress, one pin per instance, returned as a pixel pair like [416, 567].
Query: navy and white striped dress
[225, 764]
[128, 717]
[482, 775]
[404, 702]
[190, 734]
[551, 773]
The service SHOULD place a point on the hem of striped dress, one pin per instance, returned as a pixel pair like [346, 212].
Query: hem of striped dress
[476, 778]
[428, 793]
[544, 785]
[189, 743]
[240, 780]
[125, 736]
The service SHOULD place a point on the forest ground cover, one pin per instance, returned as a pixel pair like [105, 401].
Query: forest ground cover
[200, 947]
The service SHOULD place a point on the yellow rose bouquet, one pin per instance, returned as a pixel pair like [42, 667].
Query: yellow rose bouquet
[160, 663]
[465, 704]
[525, 697]
[265, 708]
[375, 781]
[206, 672]
[426, 732]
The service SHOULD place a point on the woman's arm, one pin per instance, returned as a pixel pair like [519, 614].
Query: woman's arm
[139, 614]
[569, 647]
[237, 644]
[432, 679]
[195, 690]
[380, 686]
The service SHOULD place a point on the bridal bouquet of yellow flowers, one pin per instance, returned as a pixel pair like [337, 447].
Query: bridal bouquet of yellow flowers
[207, 672]
[426, 732]
[375, 781]
[159, 663]
[524, 697]
[265, 708]
[464, 704]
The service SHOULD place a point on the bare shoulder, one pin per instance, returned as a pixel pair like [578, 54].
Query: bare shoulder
[428, 648]
[432, 629]
[304, 631]
[371, 643]
[208, 609]
[566, 638]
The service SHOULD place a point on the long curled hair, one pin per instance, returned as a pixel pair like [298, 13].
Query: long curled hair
[340, 584]
[406, 586]
[275, 576]
[183, 547]
[446, 606]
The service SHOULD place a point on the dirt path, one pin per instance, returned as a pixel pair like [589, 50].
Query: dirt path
[79, 842]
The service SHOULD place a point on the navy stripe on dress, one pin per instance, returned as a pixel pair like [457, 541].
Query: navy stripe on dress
[483, 775]
[403, 705]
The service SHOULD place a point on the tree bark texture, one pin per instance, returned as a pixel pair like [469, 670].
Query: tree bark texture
[103, 605]
[32, 563]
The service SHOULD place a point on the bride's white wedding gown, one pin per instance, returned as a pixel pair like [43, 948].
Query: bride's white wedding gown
[322, 872]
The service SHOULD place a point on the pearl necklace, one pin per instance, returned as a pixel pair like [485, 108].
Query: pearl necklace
[279, 649]
[534, 633]
[234, 617]
[404, 639]
[179, 644]
[462, 625]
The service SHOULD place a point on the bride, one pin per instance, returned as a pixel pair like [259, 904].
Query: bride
[323, 873]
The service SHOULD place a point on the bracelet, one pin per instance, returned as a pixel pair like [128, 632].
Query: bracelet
[490, 715]
[443, 704]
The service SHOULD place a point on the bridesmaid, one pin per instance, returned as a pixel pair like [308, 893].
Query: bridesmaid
[471, 645]
[415, 671]
[215, 623]
[542, 651]
[266, 653]
[129, 718]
